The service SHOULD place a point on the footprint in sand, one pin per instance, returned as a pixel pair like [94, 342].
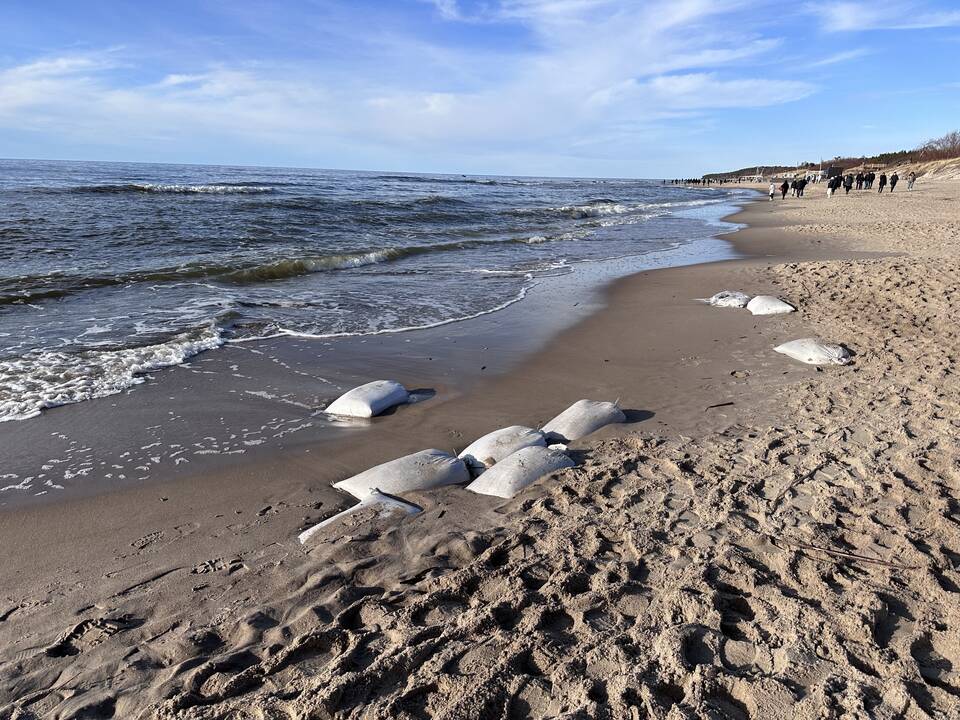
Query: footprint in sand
[90, 633]
[217, 564]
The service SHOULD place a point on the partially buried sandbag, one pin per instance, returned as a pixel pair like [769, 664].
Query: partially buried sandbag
[420, 471]
[728, 298]
[815, 352]
[376, 499]
[369, 400]
[769, 305]
[495, 446]
[513, 473]
[581, 419]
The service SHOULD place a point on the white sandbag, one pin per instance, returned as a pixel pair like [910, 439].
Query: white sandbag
[369, 400]
[581, 419]
[383, 503]
[495, 446]
[728, 298]
[420, 471]
[815, 352]
[769, 305]
[515, 472]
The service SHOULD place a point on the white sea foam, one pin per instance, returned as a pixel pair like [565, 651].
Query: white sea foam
[284, 332]
[595, 210]
[212, 189]
[343, 262]
[30, 383]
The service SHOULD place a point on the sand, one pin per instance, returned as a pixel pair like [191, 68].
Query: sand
[760, 540]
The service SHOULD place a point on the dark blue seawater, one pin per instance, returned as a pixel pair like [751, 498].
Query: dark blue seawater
[109, 270]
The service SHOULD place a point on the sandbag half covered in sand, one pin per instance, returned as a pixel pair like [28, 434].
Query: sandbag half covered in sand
[495, 446]
[728, 298]
[384, 503]
[515, 472]
[769, 305]
[369, 400]
[581, 419]
[815, 352]
[420, 471]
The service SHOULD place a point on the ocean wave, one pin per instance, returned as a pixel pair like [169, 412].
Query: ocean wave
[211, 189]
[465, 180]
[407, 203]
[287, 332]
[294, 267]
[36, 288]
[590, 209]
[39, 380]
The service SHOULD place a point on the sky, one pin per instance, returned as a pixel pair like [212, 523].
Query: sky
[590, 88]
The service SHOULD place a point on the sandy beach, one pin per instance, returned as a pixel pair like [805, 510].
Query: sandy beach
[761, 539]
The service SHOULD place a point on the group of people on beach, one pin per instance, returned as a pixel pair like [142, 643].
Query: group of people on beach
[795, 187]
[862, 181]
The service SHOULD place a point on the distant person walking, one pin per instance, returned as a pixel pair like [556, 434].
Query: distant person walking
[871, 176]
[911, 179]
[848, 183]
[883, 181]
[894, 179]
[773, 191]
[784, 188]
[801, 184]
[860, 180]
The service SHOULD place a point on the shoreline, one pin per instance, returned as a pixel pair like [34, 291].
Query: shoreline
[638, 519]
[250, 401]
[465, 407]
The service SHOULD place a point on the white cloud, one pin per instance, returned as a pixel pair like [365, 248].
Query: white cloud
[847, 16]
[840, 57]
[706, 90]
[599, 74]
[448, 9]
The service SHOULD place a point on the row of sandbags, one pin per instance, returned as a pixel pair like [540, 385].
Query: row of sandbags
[500, 463]
[812, 351]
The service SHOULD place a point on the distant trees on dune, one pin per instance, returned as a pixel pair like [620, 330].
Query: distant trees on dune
[941, 148]
[946, 147]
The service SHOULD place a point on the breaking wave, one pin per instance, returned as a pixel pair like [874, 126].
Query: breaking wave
[45, 287]
[39, 380]
[220, 189]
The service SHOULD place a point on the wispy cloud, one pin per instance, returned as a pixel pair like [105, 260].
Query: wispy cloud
[840, 57]
[561, 86]
[448, 9]
[847, 16]
[594, 69]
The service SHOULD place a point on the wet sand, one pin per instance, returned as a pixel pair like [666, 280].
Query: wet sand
[667, 571]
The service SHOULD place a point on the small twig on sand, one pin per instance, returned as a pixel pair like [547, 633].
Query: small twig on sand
[840, 553]
[723, 404]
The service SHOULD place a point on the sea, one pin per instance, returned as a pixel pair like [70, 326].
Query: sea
[109, 271]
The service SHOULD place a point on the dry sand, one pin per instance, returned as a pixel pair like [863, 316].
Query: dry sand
[792, 554]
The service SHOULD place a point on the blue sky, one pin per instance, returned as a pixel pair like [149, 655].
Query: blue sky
[628, 88]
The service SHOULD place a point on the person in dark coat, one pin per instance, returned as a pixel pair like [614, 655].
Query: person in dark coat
[783, 190]
[848, 183]
[860, 180]
[883, 181]
[871, 176]
[801, 184]
[894, 179]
